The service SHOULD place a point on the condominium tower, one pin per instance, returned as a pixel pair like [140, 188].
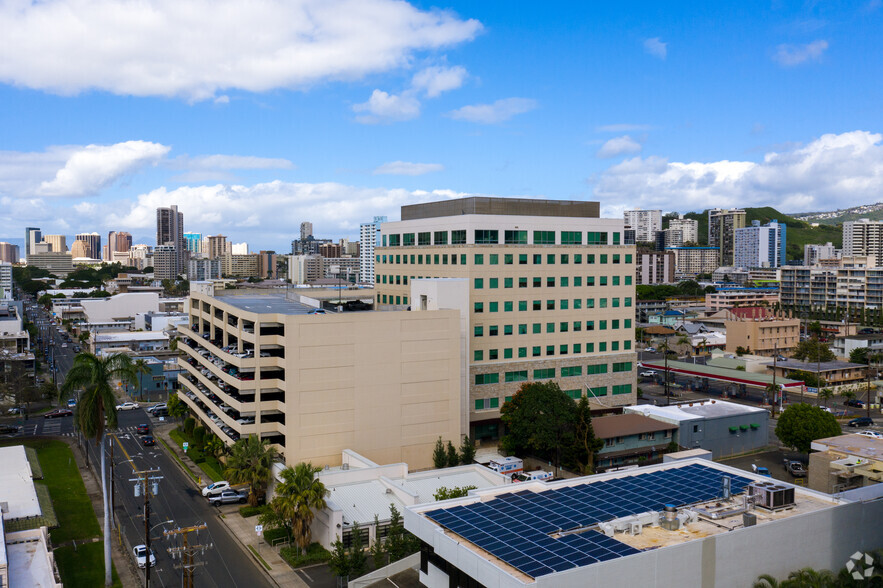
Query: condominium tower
[689, 228]
[863, 237]
[722, 225]
[645, 223]
[170, 232]
[550, 294]
[369, 238]
[760, 245]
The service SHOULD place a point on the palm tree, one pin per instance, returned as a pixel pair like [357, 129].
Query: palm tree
[176, 407]
[251, 462]
[826, 394]
[140, 367]
[684, 340]
[93, 375]
[847, 395]
[215, 447]
[298, 496]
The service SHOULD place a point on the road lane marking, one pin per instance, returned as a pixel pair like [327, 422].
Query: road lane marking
[126, 453]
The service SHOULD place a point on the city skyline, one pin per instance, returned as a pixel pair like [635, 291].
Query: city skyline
[684, 108]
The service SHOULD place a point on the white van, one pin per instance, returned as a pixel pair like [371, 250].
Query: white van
[507, 465]
[538, 475]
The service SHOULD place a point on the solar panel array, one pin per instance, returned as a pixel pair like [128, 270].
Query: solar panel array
[516, 527]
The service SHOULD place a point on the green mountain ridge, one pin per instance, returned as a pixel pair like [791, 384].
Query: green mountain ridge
[799, 233]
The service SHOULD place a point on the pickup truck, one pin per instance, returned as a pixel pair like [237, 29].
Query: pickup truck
[795, 468]
[228, 497]
[761, 470]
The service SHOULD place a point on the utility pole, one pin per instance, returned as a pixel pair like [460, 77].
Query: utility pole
[775, 362]
[186, 551]
[145, 477]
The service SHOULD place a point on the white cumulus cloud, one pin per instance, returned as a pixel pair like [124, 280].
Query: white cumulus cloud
[656, 48]
[497, 112]
[833, 171]
[623, 128]
[435, 80]
[210, 162]
[791, 55]
[198, 48]
[383, 107]
[618, 146]
[93, 167]
[406, 168]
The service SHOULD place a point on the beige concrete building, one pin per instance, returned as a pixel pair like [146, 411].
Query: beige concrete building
[692, 261]
[730, 298]
[722, 225]
[550, 294]
[58, 243]
[655, 267]
[763, 336]
[243, 266]
[60, 264]
[689, 228]
[845, 462]
[385, 384]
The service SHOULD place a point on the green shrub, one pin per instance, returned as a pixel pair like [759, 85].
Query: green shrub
[251, 511]
[315, 554]
[189, 423]
[271, 535]
[199, 436]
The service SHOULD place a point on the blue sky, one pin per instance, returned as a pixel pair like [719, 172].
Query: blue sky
[252, 118]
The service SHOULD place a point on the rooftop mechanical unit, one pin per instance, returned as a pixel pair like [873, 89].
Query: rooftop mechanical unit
[771, 496]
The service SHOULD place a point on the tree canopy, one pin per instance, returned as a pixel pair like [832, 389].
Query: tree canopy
[813, 350]
[661, 291]
[801, 424]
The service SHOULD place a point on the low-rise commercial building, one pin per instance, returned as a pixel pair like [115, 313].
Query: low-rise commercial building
[741, 297]
[631, 439]
[131, 342]
[766, 336]
[722, 427]
[833, 374]
[841, 463]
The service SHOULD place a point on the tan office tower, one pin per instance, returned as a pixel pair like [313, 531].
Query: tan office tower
[550, 294]
[722, 225]
[8, 252]
[93, 244]
[217, 246]
[79, 249]
[118, 242]
[58, 243]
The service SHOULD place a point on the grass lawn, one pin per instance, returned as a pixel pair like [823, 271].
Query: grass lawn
[315, 554]
[76, 518]
[83, 567]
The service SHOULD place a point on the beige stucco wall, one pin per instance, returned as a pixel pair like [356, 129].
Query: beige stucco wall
[386, 384]
[763, 337]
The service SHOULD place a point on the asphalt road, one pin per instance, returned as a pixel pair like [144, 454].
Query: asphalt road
[222, 564]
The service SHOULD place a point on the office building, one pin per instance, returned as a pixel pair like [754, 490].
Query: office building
[692, 261]
[689, 229]
[691, 522]
[59, 264]
[79, 249]
[308, 246]
[32, 237]
[306, 230]
[645, 223]
[93, 244]
[9, 252]
[303, 269]
[845, 462]
[329, 250]
[655, 267]
[201, 270]
[193, 243]
[165, 262]
[267, 264]
[760, 245]
[117, 242]
[722, 225]
[58, 243]
[217, 246]
[385, 384]
[813, 254]
[170, 232]
[369, 238]
[550, 297]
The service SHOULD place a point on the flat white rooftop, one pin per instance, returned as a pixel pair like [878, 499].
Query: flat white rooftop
[28, 559]
[687, 411]
[17, 485]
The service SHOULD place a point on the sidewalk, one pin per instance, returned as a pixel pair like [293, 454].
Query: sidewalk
[242, 529]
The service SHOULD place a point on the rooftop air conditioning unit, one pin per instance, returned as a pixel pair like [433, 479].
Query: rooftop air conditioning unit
[771, 495]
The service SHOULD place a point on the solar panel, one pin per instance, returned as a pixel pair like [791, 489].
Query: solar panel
[516, 527]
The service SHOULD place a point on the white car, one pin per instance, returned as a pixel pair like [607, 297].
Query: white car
[216, 488]
[871, 434]
[648, 374]
[128, 406]
[140, 552]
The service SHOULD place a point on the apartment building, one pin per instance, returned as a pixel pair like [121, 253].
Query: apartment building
[724, 299]
[692, 261]
[655, 267]
[9, 252]
[763, 336]
[812, 253]
[165, 262]
[722, 225]
[267, 264]
[856, 288]
[760, 245]
[170, 231]
[689, 228]
[551, 294]
[193, 243]
[242, 266]
[645, 223]
[863, 237]
[5, 280]
[369, 238]
[201, 270]
[385, 384]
